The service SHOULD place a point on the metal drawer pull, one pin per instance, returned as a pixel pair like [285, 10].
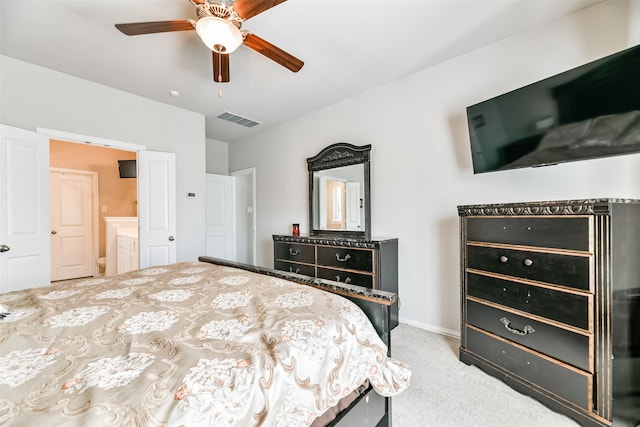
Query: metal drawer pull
[4, 248]
[526, 330]
[294, 253]
[528, 262]
[504, 259]
[347, 257]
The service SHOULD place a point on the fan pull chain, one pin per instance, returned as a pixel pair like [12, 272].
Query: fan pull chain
[220, 81]
[220, 89]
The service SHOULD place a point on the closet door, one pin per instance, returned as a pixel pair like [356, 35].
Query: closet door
[220, 214]
[25, 248]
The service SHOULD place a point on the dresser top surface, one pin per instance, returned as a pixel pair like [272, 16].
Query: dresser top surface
[330, 240]
[555, 207]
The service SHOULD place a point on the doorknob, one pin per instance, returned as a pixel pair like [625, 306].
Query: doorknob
[171, 239]
[54, 232]
[4, 248]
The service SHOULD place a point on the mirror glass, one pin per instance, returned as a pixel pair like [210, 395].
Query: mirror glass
[339, 191]
[340, 199]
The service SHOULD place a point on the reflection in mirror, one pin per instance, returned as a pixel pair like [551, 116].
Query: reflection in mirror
[339, 191]
[340, 199]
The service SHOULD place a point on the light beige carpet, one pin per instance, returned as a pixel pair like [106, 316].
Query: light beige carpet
[445, 392]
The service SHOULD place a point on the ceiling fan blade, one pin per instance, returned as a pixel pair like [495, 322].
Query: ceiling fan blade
[272, 52]
[138, 28]
[220, 67]
[249, 8]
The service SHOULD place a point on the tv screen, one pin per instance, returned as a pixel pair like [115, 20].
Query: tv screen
[588, 112]
[127, 168]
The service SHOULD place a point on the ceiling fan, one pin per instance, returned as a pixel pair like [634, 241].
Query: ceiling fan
[219, 25]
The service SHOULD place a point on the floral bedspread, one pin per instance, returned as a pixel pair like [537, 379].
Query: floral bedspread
[190, 344]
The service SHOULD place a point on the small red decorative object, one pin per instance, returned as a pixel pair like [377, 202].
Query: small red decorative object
[296, 229]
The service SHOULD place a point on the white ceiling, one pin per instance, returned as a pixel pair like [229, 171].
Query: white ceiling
[348, 46]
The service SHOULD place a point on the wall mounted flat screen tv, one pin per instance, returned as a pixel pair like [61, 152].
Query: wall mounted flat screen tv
[127, 168]
[588, 112]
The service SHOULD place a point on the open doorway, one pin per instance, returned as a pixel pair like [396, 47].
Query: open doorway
[245, 193]
[116, 197]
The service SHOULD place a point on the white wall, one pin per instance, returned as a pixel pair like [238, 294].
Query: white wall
[634, 17]
[421, 163]
[33, 96]
[217, 157]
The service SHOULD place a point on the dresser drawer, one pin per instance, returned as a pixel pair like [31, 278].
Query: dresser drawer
[295, 252]
[347, 258]
[559, 232]
[569, 308]
[565, 270]
[348, 277]
[559, 343]
[564, 381]
[292, 267]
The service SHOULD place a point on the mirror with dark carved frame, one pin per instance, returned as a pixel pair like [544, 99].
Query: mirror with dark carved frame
[339, 191]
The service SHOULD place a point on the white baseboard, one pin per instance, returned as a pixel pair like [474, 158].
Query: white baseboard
[431, 328]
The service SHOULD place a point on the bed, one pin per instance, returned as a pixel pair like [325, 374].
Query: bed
[198, 344]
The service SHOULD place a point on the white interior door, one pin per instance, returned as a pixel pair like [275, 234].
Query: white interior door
[73, 218]
[353, 206]
[157, 208]
[220, 214]
[25, 258]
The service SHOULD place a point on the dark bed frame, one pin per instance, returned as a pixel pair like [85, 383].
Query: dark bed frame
[369, 409]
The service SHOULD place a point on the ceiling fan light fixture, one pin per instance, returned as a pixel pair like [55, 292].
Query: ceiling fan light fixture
[218, 34]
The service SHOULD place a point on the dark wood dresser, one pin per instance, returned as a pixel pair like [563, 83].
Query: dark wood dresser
[369, 263]
[551, 303]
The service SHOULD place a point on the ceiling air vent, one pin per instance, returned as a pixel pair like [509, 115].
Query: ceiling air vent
[234, 118]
